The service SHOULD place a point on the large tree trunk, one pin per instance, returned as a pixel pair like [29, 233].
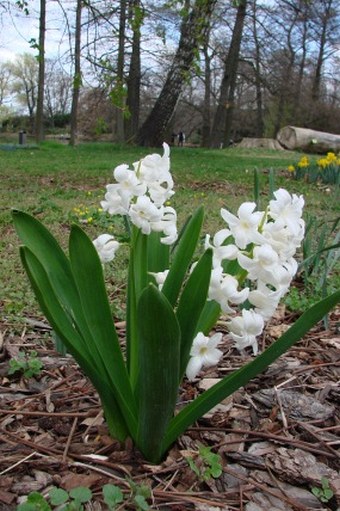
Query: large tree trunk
[223, 115]
[259, 130]
[134, 77]
[306, 140]
[154, 130]
[119, 86]
[77, 76]
[39, 120]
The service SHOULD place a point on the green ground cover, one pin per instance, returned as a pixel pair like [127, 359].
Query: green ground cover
[59, 185]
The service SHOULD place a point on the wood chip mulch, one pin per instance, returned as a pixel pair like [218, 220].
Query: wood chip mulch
[278, 437]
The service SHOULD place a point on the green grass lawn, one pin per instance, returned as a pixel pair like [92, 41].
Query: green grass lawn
[59, 185]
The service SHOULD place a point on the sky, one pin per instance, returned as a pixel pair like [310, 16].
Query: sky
[18, 29]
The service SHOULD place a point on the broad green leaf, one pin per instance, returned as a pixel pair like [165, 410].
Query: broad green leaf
[137, 281]
[241, 377]
[88, 275]
[81, 494]
[158, 253]
[159, 353]
[65, 329]
[57, 267]
[210, 314]
[191, 304]
[183, 257]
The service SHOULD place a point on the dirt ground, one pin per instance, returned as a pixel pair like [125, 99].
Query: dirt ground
[277, 438]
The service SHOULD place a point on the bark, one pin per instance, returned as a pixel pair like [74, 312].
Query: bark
[39, 120]
[120, 107]
[223, 116]
[293, 138]
[206, 117]
[155, 129]
[134, 77]
[258, 81]
[321, 54]
[77, 76]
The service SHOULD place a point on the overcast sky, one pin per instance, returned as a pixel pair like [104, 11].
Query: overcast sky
[18, 29]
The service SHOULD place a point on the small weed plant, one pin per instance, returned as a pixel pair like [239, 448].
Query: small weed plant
[324, 494]
[75, 499]
[205, 464]
[27, 364]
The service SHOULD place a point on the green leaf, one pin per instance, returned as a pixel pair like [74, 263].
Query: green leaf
[58, 496]
[88, 275]
[113, 495]
[47, 250]
[210, 314]
[159, 352]
[183, 257]
[141, 503]
[191, 304]
[81, 494]
[241, 377]
[35, 502]
[137, 281]
[66, 330]
[158, 253]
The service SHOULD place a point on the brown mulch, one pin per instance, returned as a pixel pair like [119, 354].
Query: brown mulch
[277, 437]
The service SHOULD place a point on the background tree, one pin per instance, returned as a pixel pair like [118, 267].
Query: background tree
[223, 117]
[194, 25]
[39, 120]
[77, 80]
[24, 83]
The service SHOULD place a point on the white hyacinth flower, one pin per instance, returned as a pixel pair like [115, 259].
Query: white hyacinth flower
[116, 202]
[204, 353]
[106, 247]
[128, 181]
[244, 226]
[223, 289]
[288, 209]
[168, 225]
[265, 300]
[143, 213]
[263, 265]
[160, 277]
[154, 168]
[244, 329]
[221, 252]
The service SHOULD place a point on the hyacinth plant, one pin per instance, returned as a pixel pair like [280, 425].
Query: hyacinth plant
[173, 302]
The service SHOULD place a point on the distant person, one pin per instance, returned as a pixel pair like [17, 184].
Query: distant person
[181, 138]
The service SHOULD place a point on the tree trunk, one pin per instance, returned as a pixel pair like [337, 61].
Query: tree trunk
[154, 130]
[119, 86]
[39, 120]
[259, 130]
[223, 115]
[321, 55]
[133, 80]
[77, 76]
[206, 117]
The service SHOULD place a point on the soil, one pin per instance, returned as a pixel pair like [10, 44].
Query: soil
[277, 438]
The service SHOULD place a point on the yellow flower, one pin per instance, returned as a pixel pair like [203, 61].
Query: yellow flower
[322, 162]
[304, 162]
[89, 220]
[331, 158]
[291, 168]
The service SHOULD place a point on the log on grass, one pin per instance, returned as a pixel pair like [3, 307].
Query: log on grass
[266, 143]
[303, 139]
